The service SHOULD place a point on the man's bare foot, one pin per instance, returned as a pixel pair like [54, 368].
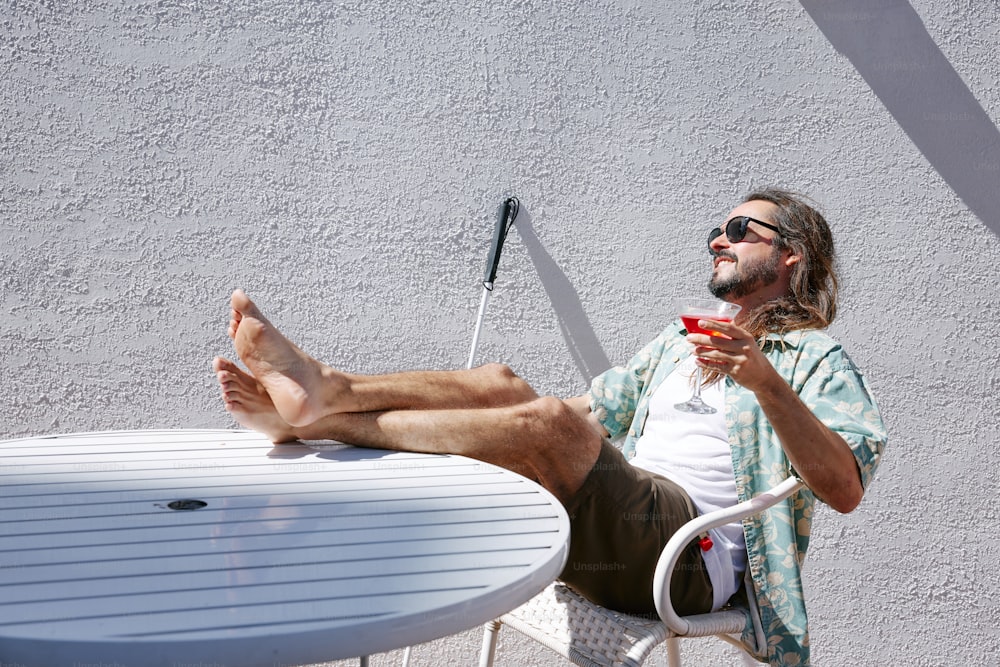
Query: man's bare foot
[248, 402]
[302, 389]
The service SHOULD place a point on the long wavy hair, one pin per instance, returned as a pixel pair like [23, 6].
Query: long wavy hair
[812, 299]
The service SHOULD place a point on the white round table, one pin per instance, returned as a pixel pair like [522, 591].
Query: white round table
[165, 548]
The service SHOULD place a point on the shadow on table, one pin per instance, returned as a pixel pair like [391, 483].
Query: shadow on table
[327, 449]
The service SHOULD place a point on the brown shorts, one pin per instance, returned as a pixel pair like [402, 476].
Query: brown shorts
[620, 520]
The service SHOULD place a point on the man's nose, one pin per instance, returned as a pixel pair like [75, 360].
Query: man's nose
[720, 242]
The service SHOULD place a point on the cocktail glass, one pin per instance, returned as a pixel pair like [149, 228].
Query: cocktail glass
[693, 310]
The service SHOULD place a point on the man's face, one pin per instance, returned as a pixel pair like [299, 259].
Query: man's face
[751, 270]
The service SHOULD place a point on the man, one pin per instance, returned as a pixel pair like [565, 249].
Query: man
[789, 402]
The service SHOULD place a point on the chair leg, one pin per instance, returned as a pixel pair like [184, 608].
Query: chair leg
[491, 632]
[674, 652]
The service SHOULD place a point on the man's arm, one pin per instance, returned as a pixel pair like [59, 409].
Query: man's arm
[821, 457]
[581, 406]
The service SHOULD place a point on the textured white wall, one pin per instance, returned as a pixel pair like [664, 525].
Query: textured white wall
[344, 162]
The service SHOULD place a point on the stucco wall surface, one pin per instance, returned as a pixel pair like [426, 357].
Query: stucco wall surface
[344, 161]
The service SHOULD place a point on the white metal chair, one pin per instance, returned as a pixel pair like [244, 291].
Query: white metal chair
[589, 635]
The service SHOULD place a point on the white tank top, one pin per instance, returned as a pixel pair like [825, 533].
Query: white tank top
[693, 451]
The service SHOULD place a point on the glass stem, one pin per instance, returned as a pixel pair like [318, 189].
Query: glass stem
[696, 396]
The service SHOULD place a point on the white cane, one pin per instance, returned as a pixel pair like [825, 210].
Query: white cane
[508, 212]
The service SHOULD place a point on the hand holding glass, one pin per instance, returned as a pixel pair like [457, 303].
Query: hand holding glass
[693, 310]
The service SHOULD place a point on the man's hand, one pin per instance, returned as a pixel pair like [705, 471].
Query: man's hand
[581, 406]
[735, 353]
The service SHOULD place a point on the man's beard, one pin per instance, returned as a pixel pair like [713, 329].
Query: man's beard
[747, 277]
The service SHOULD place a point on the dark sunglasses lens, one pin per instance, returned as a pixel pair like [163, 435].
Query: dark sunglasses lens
[714, 234]
[736, 229]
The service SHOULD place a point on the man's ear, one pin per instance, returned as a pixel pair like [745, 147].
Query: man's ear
[792, 259]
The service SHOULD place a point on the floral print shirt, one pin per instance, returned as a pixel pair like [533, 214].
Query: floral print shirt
[826, 380]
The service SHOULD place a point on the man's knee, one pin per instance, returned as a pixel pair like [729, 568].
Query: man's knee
[507, 381]
[552, 414]
[501, 372]
[564, 446]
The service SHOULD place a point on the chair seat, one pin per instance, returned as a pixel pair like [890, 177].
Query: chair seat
[587, 634]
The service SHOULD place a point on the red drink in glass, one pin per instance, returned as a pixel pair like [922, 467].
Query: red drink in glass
[691, 323]
[691, 311]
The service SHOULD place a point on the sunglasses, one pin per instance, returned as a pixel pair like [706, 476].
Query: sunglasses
[736, 229]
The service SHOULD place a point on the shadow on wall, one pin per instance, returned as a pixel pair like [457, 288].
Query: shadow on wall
[582, 342]
[887, 43]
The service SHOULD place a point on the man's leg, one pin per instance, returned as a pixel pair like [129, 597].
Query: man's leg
[251, 406]
[487, 414]
[304, 390]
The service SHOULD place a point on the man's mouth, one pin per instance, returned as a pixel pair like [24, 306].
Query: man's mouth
[721, 259]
